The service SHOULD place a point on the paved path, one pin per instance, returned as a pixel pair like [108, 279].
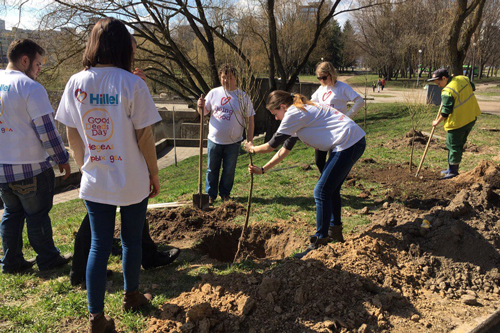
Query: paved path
[165, 158]
[488, 104]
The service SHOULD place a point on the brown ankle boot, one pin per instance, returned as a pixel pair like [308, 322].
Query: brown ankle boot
[100, 323]
[335, 233]
[133, 300]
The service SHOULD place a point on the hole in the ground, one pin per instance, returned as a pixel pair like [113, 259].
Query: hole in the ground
[260, 242]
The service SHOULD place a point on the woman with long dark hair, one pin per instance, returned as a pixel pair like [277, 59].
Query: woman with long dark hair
[108, 112]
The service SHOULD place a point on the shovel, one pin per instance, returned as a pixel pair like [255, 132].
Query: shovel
[428, 143]
[200, 200]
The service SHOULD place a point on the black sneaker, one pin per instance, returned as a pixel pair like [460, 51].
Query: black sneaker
[226, 198]
[211, 201]
[162, 259]
[59, 261]
[26, 266]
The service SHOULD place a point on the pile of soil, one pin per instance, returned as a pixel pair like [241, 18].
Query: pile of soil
[413, 269]
[419, 139]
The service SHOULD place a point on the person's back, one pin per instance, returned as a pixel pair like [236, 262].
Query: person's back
[106, 102]
[30, 147]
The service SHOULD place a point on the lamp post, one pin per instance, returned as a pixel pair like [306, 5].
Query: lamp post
[419, 63]
[473, 51]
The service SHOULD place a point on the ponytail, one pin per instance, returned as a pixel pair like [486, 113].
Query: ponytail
[278, 97]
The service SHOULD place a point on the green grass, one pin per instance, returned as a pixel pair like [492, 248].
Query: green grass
[48, 303]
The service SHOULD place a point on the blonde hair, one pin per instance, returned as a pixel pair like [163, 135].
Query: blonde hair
[278, 97]
[327, 68]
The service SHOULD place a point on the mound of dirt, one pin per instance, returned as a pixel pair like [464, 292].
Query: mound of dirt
[411, 270]
[418, 138]
[486, 172]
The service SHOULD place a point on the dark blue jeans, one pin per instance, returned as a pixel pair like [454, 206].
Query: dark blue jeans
[29, 199]
[102, 225]
[327, 190]
[227, 156]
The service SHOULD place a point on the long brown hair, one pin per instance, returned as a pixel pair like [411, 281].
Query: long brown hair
[278, 97]
[109, 44]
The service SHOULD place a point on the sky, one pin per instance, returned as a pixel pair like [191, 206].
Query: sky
[32, 8]
[29, 14]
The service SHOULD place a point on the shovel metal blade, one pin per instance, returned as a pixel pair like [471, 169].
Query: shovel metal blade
[201, 201]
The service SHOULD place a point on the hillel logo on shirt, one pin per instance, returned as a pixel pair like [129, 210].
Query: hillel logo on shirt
[80, 95]
[326, 95]
[104, 99]
[225, 100]
[98, 125]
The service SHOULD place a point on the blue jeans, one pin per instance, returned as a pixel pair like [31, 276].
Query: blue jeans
[29, 199]
[227, 155]
[102, 225]
[327, 190]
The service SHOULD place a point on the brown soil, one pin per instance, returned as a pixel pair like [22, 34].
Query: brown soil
[392, 276]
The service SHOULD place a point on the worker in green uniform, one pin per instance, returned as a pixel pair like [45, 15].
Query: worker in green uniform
[459, 111]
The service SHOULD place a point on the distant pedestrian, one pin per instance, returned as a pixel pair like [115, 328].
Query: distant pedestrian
[383, 84]
[379, 85]
[459, 111]
[374, 85]
[30, 146]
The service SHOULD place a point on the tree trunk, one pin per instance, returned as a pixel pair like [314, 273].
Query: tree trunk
[459, 37]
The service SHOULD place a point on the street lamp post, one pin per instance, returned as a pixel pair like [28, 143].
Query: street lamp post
[473, 51]
[419, 64]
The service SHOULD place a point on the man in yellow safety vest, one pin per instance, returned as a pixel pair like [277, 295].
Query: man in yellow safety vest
[459, 112]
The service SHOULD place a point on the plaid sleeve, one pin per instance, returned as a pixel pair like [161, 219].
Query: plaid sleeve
[51, 140]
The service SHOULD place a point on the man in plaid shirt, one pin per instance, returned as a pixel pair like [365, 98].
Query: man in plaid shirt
[29, 148]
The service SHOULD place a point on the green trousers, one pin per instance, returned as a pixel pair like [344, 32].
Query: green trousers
[455, 142]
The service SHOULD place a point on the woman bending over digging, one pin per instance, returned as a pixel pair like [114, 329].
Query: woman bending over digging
[323, 128]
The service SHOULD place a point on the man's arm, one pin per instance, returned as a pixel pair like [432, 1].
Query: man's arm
[52, 142]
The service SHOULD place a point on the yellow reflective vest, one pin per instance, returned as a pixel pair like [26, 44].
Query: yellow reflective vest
[465, 107]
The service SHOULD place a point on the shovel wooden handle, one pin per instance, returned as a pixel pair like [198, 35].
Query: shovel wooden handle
[200, 161]
[428, 143]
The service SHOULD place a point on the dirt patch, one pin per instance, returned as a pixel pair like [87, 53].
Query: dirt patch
[420, 140]
[213, 233]
[426, 266]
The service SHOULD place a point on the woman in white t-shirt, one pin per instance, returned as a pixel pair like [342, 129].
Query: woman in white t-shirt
[323, 128]
[335, 94]
[108, 112]
[231, 111]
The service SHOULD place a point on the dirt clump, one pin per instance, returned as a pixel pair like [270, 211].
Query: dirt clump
[486, 172]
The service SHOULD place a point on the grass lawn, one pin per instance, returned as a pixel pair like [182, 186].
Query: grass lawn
[48, 303]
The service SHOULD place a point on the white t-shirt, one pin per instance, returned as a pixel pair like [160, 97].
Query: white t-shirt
[337, 96]
[229, 109]
[107, 105]
[321, 127]
[22, 101]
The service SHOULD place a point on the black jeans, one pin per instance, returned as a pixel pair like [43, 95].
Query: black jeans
[82, 247]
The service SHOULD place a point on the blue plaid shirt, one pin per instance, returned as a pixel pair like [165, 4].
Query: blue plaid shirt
[52, 143]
